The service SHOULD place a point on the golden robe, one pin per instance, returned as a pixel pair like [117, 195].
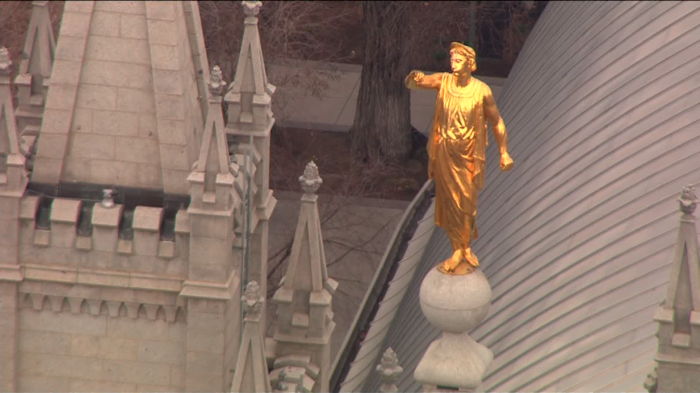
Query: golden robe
[457, 157]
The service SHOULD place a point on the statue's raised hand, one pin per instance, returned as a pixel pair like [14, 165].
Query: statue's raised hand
[414, 78]
[418, 76]
[506, 162]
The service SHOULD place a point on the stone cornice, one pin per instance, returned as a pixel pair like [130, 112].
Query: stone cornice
[113, 308]
[211, 290]
[107, 278]
[663, 358]
[11, 273]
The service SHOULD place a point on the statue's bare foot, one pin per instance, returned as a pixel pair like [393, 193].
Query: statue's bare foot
[466, 263]
[451, 263]
[471, 258]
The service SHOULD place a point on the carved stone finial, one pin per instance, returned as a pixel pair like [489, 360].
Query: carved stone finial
[650, 383]
[251, 8]
[310, 181]
[107, 200]
[252, 300]
[216, 81]
[389, 369]
[5, 61]
[688, 200]
[281, 384]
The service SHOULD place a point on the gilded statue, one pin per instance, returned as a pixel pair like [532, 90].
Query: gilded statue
[457, 150]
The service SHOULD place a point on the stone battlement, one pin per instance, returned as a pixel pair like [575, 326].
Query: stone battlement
[75, 236]
[85, 236]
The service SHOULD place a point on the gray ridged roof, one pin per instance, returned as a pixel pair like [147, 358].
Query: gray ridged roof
[604, 125]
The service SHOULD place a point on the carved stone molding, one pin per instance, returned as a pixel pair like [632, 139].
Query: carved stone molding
[96, 307]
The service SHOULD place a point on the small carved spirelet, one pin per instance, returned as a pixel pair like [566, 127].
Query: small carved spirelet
[688, 201]
[216, 81]
[5, 61]
[310, 181]
[389, 367]
[251, 8]
[252, 300]
[651, 381]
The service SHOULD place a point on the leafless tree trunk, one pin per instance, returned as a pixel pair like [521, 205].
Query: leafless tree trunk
[382, 124]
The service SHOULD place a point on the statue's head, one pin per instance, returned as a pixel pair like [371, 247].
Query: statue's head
[462, 56]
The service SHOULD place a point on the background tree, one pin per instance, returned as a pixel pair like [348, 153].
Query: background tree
[382, 128]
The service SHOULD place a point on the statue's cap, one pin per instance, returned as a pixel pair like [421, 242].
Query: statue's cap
[463, 49]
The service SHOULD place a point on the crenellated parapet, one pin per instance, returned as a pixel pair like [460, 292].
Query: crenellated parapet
[73, 240]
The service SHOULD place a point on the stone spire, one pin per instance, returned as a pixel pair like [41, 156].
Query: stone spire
[12, 173]
[249, 100]
[678, 356]
[251, 373]
[123, 107]
[38, 51]
[35, 70]
[39, 44]
[211, 180]
[212, 273]
[304, 315]
[248, 125]
[389, 369]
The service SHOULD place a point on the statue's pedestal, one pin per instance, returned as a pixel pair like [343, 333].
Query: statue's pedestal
[455, 304]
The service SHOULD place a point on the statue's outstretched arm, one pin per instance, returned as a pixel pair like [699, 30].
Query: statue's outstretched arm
[418, 80]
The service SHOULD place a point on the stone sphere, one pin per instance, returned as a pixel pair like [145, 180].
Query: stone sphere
[455, 303]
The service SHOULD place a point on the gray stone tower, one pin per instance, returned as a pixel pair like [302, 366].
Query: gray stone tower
[304, 314]
[139, 292]
[678, 357]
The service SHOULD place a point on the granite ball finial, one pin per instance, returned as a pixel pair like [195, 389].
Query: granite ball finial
[251, 8]
[688, 201]
[310, 181]
[454, 304]
[216, 81]
[5, 62]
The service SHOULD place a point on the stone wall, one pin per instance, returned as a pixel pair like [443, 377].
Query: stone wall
[64, 351]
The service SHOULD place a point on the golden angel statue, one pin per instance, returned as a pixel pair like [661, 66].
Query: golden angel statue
[457, 150]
